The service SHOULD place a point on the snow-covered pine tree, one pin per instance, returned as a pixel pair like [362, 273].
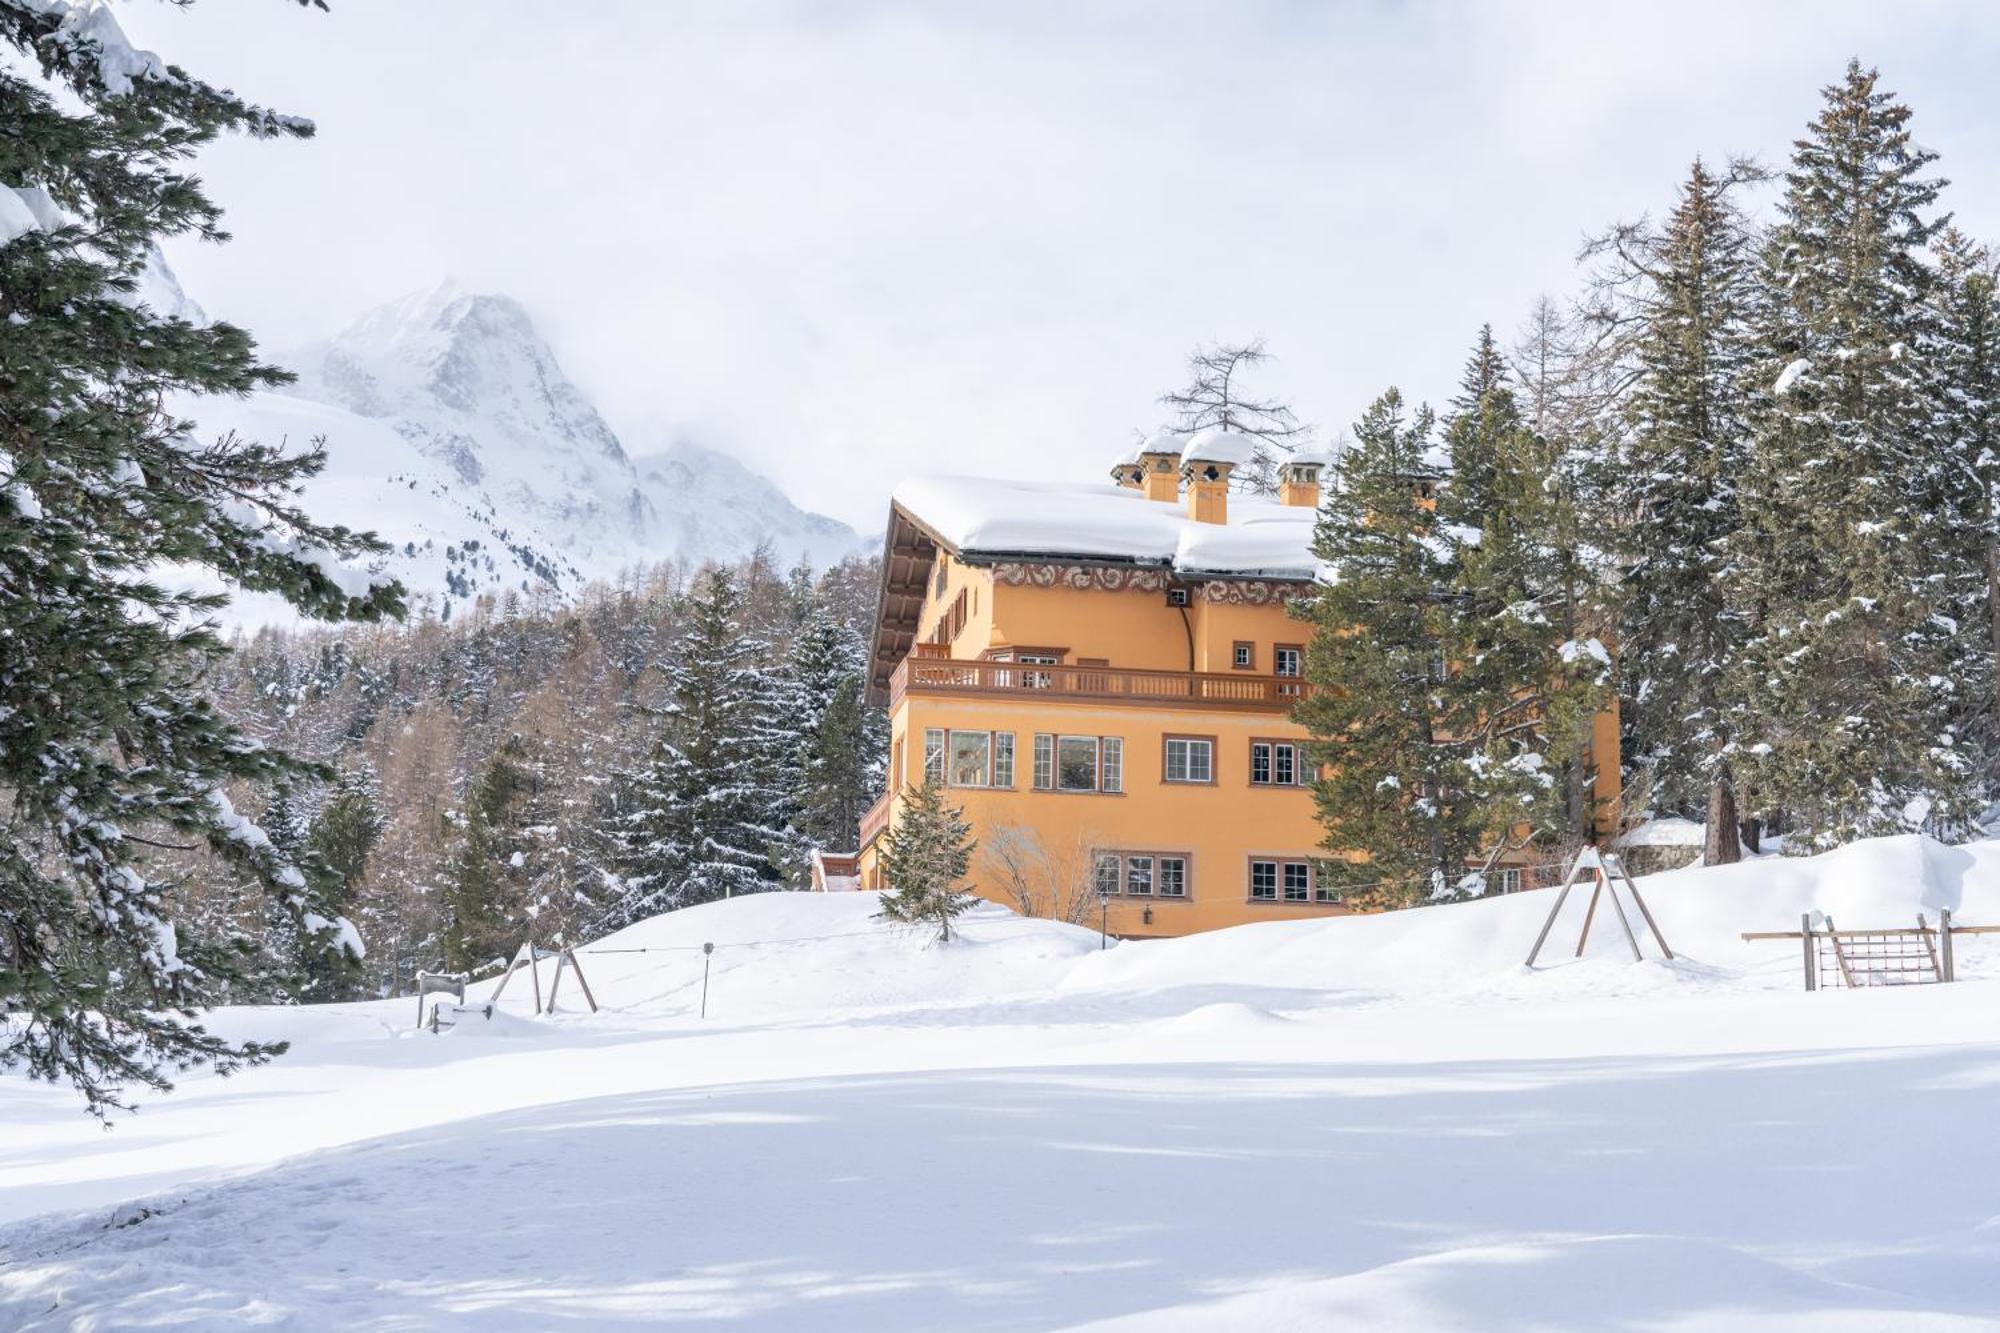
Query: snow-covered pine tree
[1402, 786]
[695, 825]
[107, 747]
[1217, 397]
[831, 768]
[1966, 298]
[1682, 295]
[1484, 413]
[485, 901]
[925, 855]
[1849, 716]
[342, 839]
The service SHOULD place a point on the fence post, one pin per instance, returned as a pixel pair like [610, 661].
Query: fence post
[1944, 928]
[1812, 958]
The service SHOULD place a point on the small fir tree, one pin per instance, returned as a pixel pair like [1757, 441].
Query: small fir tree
[925, 856]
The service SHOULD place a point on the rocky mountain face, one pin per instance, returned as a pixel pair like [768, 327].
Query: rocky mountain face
[453, 433]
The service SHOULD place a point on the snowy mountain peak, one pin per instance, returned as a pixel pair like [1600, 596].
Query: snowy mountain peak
[453, 431]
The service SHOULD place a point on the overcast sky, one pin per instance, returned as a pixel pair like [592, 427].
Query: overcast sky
[848, 242]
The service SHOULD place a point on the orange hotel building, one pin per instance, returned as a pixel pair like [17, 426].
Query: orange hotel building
[1112, 668]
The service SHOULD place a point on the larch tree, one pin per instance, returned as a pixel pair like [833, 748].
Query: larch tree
[1218, 397]
[108, 749]
[925, 856]
[1849, 716]
[1682, 296]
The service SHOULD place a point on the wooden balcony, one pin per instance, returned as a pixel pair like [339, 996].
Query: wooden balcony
[1211, 691]
[874, 819]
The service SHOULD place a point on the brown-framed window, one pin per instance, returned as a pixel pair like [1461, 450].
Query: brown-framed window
[1079, 763]
[1164, 875]
[1243, 656]
[1188, 759]
[1276, 763]
[1283, 879]
[955, 758]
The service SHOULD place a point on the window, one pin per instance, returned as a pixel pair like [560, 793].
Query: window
[1288, 659]
[1189, 759]
[1275, 880]
[971, 758]
[1324, 893]
[1243, 657]
[1507, 879]
[1142, 874]
[1079, 763]
[1277, 764]
[934, 756]
[968, 758]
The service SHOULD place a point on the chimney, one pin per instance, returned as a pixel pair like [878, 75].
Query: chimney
[1160, 461]
[1299, 478]
[1129, 472]
[1206, 463]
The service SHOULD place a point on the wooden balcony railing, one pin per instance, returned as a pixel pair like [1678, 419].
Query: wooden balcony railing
[874, 819]
[1211, 690]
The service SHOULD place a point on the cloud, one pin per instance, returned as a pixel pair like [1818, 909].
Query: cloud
[848, 243]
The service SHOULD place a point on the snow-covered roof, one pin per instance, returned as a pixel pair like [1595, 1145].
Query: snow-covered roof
[1164, 442]
[1127, 458]
[1219, 446]
[982, 517]
[1313, 457]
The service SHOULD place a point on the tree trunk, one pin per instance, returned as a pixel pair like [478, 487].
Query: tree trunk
[1752, 830]
[1719, 843]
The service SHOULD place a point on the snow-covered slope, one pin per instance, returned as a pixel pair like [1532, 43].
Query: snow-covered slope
[453, 433]
[1367, 1122]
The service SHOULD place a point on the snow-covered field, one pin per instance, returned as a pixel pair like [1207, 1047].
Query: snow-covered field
[1366, 1123]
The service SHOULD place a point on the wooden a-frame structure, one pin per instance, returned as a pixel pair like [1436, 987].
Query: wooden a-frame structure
[530, 957]
[1606, 872]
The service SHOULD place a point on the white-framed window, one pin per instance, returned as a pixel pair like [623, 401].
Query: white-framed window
[1507, 879]
[1079, 763]
[1142, 874]
[1189, 759]
[934, 756]
[1279, 879]
[1243, 655]
[955, 758]
[1288, 660]
[1277, 764]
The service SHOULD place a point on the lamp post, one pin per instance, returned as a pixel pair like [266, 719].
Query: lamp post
[1103, 921]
